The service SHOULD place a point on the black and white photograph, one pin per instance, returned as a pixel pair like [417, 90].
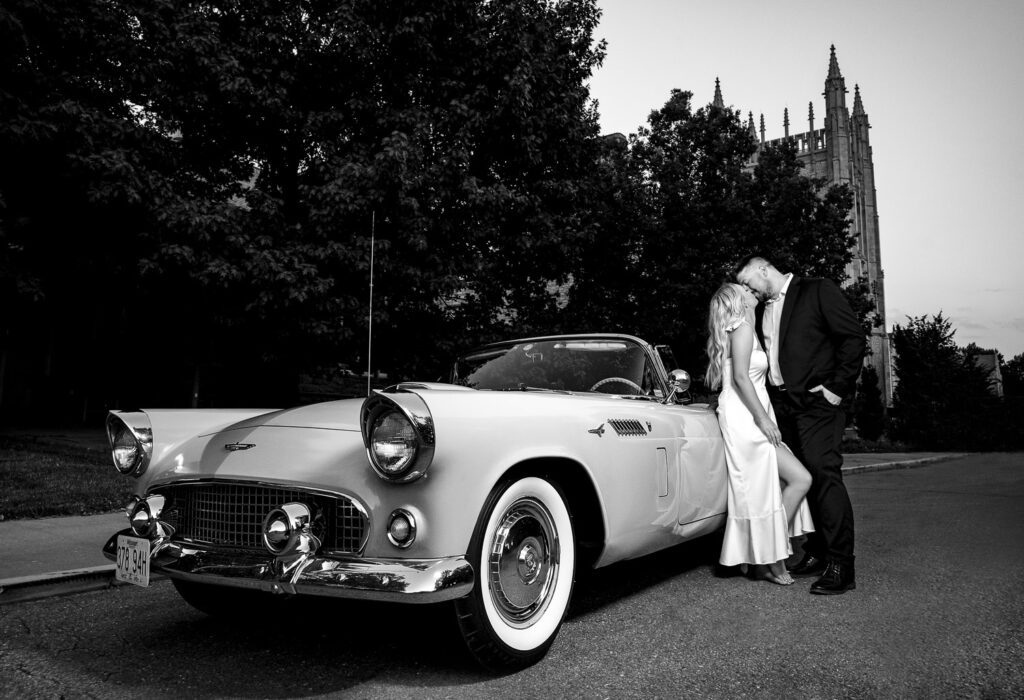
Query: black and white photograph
[511, 349]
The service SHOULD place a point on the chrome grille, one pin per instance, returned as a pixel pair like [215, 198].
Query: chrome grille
[231, 514]
[627, 427]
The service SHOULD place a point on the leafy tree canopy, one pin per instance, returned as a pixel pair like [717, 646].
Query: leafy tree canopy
[869, 413]
[195, 185]
[247, 151]
[680, 206]
[938, 386]
[1013, 375]
[452, 132]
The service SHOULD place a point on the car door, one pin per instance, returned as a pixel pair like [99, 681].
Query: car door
[699, 459]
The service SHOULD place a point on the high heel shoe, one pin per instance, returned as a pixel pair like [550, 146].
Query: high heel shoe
[764, 573]
[783, 580]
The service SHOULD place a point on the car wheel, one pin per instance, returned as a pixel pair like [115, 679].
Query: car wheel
[524, 554]
[227, 602]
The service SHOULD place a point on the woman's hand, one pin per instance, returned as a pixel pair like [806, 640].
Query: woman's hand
[770, 430]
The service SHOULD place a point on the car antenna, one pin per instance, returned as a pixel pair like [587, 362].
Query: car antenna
[369, 324]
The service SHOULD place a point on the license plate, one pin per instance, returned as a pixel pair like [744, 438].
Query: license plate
[132, 560]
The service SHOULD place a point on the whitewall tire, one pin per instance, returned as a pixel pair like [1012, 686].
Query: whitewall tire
[524, 554]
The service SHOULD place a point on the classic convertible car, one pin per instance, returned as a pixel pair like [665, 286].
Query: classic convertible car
[541, 456]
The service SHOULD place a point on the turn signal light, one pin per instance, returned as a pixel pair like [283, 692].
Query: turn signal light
[402, 528]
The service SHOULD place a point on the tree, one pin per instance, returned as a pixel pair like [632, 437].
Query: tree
[803, 226]
[219, 169]
[693, 165]
[74, 190]
[1013, 375]
[1011, 415]
[869, 413]
[940, 393]
[609, 286]
[459, 128]
[262, 144]
[679, 208]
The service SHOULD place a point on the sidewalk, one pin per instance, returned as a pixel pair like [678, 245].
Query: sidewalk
[882, 461]
[56, 556]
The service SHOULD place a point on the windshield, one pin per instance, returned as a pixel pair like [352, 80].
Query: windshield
[611, 366]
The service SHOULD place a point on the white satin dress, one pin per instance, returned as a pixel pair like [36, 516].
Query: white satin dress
[755, 530]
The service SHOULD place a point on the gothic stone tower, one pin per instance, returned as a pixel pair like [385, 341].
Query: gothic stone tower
[841, 154]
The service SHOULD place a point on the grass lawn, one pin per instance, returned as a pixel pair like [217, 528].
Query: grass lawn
[856, 445]
[56, 473]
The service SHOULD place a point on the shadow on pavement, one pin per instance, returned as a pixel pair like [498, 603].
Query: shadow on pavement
[301, 647]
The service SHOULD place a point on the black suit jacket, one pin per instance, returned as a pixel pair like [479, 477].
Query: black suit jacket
[821, 340]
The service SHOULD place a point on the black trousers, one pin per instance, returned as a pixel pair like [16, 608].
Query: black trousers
[814, 435]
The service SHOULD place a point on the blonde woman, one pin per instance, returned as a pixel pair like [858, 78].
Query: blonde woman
[763, 513]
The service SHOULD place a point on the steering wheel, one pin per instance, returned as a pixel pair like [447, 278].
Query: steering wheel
[623, 380]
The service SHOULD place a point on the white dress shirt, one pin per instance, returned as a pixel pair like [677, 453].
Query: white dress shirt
[770, 328]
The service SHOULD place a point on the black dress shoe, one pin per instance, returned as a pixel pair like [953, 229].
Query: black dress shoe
[838, 578]
[809, 565]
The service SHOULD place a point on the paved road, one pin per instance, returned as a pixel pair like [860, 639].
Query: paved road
[939, 612]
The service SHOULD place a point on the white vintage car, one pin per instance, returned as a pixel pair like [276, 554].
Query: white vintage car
[541, 457]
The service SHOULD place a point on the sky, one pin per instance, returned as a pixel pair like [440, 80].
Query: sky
[941, 82]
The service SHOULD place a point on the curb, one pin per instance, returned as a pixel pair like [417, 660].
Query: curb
[58, 583]
[61, 583]
[903, 464]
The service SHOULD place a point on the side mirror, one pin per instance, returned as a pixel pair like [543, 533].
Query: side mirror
[678, 384]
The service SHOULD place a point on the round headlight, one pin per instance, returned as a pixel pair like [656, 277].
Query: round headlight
[125, 449]
[393, 443]
[398, 434]
[131, 441]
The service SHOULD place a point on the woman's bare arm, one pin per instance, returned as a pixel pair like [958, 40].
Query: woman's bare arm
[741, 341]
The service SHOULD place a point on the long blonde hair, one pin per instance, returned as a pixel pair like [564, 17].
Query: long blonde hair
[724, 312]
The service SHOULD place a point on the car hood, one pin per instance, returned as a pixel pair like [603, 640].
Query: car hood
[330, 415]
[316, 446]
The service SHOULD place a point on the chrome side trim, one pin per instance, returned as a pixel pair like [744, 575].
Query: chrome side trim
[395, 580]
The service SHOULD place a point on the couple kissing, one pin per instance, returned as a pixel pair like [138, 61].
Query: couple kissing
[785, 350]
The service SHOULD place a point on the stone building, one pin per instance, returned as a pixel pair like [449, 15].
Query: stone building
[988, 360]
[840, 152]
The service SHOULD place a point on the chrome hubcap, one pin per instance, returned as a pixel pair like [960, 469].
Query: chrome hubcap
[523, 562]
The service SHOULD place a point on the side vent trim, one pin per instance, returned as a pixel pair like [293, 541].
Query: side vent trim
[627, 427]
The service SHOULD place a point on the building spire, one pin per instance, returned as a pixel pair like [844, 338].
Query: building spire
[810, 115]
[750, 125]
[835, 90]
[785, 121]
[719, 102]
[762, 127]
[858, 106]
[833, 65]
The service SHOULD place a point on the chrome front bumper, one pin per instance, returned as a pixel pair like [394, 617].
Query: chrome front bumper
[396, 580]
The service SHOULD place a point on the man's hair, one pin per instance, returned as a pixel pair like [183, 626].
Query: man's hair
[745, 262]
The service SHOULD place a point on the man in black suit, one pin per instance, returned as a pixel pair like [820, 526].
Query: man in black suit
[815, 347]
